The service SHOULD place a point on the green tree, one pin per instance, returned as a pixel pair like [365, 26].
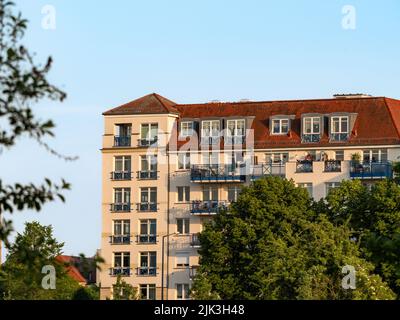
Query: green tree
[374, 216]
[22, 83]
[271, 244]
[124, 291]
[22, 275]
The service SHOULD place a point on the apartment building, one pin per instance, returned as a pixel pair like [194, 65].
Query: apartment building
[168, 168]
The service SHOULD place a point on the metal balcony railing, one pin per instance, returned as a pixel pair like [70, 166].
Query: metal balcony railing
[303, 166]
[267, 169]
[333, 166]
[122, 271]
[207, 207]
[147, 206]
[147, 175]
[150, 142]
[310, 138]
[122, 141]
[338, 137]
[193, 271]
[216, 173]
[195, 240]
[147, 238]
[120, 239]
[120, 207]
[371, 170]
[146, 271]
[121, 175]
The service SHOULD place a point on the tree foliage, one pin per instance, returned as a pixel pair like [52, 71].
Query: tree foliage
[271, 244]
[124, 291]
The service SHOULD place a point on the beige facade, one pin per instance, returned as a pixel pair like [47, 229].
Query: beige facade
[141, 209]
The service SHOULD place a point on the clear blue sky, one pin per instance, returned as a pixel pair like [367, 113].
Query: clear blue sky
[110, 52]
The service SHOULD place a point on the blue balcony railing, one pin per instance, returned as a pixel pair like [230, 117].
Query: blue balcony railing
[122, 141]
[147, 175]
[121, 175]
[120, 207]
[120, 239]
[217, 173]
[371, 170]
[120, 271]
[207, 207]
[147, 206]
[146, 271]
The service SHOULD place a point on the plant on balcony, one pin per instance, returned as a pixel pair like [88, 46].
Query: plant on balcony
[356, 157]
[271, 244]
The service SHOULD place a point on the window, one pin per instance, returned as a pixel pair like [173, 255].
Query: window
[210, 194]
[147, 291]
[308, 187]
[182, 259]
[311, 125]
[148, 199]
[339, 155]
[186, 129]
[149, 132]
[331, 185]
[339, 128]
[233, 193]
[148, 263]
[123, 130]
[210, 128]
[277, 157]
[183, 161]
[235, 128]
[148, 164]
[122, 195]
[183, 226]
[375, 155]
[122, 260]
[211, 158]
[122, 163]
[280, 126]
[183, 194]
[122, 228]
[182, 291]
[148, 231]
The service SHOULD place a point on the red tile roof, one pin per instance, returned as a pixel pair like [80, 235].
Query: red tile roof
[377, 122]
[72, 271]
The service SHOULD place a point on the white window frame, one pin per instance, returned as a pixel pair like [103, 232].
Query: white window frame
[149, 133]
[211, 131]
[148, 222]
[150, 191]
[124, 192]
[280, 120]
[371, 152]
[273, 155]
[186, 132]
[186, 161]
[123, 222]
[151, 159]
[340, 124]
[331, 185]
[185, 194]
[182, 291]
[182, 260]
[312, 120]
[123, 159]
[185, 225]
[237, 191]
[148, 287]
[308, 186]
[235, 128]
[123, 256]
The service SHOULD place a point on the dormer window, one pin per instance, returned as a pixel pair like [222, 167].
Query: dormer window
[210, 128]
[339, 128]
[311, 129]
[235, 128]
[186, 129]
[280, 126]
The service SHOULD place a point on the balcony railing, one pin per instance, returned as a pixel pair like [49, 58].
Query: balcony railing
[147, 175]
[310, 138]
[147, 238]
[371, 170]
[210, 140]
[120, 271]
[193, 271]
[195, 240]
[121, 175]
[338, 137]
[122, 239]
[146, 271]
[232, 140]
[333, 166]
[122, 141]
[216, 173]
[303, 166]
[151, 142]
[120, 207]
[147, 206]
[207, 207]
[267, 169]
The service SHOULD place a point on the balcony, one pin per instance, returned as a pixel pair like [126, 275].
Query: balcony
[210, 140]
[147, 207]
[216, 173]
[338, 137]
[146, 271]
[267, 169]
[120, 207]
[207, 207]
[121, 175]
[122, 141]
[234, 140]
[151, 142]
[147, 175]
[310, 138]
[333, 166]
[193, 271]
[121, 239]
[147, 238]
[195, 240]
[304, 166]
[371, 170]
[120, 271]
